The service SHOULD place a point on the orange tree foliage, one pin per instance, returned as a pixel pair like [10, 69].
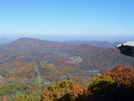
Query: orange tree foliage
[115, 85]
[65, 90]
[56, 91]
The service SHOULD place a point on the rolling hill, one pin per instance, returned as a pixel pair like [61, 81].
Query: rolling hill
[28, 50]
[29, 63]
[95, 43]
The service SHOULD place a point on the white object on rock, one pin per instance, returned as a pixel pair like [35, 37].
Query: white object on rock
[126, 48]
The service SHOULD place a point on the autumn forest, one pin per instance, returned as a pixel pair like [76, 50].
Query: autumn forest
[38, 70]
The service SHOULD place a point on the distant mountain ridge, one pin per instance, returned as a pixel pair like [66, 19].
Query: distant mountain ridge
[93, 43]
[32, 44]
[97, 44]
[5, 40]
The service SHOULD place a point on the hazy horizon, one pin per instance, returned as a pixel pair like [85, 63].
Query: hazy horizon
[74, 38]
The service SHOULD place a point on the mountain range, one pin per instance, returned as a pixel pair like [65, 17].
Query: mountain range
[87, 52]
[39, 63]
[93, 43]
[80, 54]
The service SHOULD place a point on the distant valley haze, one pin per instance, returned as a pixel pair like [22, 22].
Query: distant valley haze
[65, 38]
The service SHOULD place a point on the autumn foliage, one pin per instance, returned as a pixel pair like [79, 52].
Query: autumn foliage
[115, 85]
[28, 65]
[65, 90]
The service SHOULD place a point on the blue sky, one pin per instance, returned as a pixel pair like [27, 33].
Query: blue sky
[76, 19]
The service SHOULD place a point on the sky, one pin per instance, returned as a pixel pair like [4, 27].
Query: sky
[92, 20]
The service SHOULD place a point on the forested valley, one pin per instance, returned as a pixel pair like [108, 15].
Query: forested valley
[37, 70]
